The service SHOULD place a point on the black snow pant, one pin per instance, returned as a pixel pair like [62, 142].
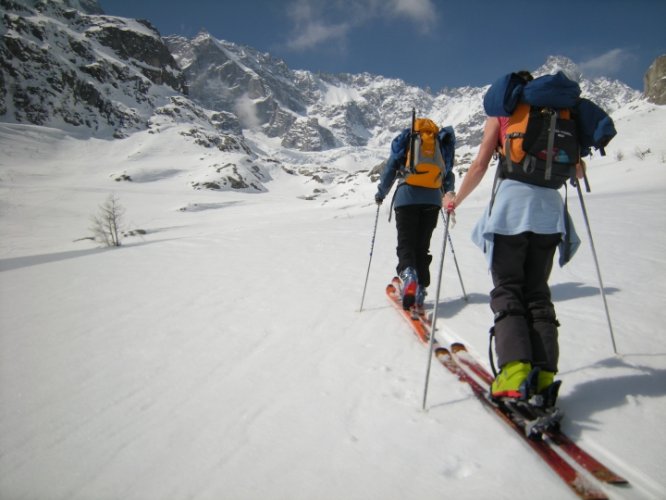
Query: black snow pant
[525, 322]
[415, 225]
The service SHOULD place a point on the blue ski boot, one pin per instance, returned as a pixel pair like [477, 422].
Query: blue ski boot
[420, 300]
[410, 285]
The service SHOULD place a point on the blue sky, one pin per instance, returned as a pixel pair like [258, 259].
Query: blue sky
[429, 43]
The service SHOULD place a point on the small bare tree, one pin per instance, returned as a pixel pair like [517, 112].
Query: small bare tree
[107, 224]
[641, 153]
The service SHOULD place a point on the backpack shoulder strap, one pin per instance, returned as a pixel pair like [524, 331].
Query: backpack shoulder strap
[447, 145]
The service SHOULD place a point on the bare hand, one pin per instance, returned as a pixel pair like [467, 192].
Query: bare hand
[580, 169]
[449, 202]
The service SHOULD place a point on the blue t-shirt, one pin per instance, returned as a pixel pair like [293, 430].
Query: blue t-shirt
[518, 208]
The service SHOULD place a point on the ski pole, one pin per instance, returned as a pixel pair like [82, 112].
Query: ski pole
[372, 247]
[434, 313]
[455, 260]
[596, 261]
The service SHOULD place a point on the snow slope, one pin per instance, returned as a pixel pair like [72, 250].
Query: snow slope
[222, 355]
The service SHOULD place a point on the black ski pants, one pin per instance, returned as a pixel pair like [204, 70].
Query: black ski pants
[525, 322]
[415, 225]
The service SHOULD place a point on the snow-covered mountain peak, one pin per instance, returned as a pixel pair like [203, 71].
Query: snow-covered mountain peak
[554, 64]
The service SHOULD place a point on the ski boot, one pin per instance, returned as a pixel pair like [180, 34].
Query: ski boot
[512, 381]
[419, 308]
[535, 405]
[410, 286]
[547, 389]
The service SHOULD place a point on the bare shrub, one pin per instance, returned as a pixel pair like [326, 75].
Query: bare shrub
[641, 153]
[108, 223]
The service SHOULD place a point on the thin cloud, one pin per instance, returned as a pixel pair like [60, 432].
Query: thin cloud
[420, 11]
[606, 64]
[319, 22]
[315, 33]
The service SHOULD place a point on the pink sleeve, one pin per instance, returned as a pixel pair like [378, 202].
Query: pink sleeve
[503, 125]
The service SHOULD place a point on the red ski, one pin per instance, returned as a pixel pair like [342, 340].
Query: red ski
[418, 323]
[459, 362]
[570, 475]
[554, 436]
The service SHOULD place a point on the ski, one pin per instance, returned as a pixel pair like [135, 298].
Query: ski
[552, 434]
[542, 433]
[417, 321]
[580, 485]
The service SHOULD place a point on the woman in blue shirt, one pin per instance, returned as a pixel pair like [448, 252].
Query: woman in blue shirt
[417, 210]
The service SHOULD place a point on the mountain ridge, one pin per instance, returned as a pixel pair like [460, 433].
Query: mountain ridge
[70, 66]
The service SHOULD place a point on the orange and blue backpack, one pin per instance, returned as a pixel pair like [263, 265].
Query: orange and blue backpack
[550, 127]
[428, 153]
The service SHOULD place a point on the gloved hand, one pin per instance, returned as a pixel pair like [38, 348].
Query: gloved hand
[378, 198]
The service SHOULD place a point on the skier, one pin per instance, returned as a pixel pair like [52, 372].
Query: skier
[520, 232]
[417, 209]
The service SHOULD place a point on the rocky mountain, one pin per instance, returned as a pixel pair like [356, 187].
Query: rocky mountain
[308, 112]
[65, 68]
[67, 65]
[64, 64]
[316, 112]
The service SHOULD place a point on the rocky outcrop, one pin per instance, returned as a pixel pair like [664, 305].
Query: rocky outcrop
[307, 135]
[655, 81]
